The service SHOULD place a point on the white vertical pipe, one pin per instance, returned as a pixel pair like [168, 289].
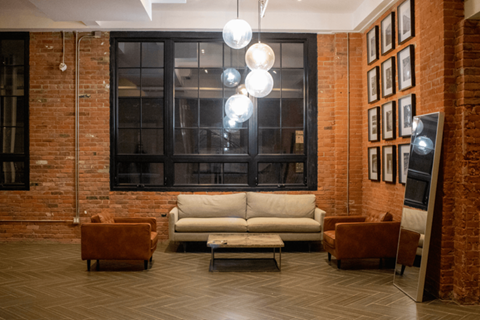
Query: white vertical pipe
[348, 124]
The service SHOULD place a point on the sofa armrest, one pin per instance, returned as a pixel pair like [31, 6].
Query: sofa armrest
[172, 220]
[330, 222]
[366, 239]
[152, 221]
[116, 241]
[319, 215]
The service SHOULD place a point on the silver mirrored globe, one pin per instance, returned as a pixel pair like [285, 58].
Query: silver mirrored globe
[237, 33]
[239, 108]
[259, 83]
[260, 57]
[231, 77]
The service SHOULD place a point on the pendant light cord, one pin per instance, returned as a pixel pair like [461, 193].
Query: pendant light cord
[259, 19]
[238, 8]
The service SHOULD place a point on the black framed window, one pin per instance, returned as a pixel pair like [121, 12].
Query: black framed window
[14, 155]
[168, 106]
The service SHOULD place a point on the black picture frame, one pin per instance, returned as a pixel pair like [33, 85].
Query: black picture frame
[373, 86]
[403, 158]
[406, 112]
[406, 68]
[405, 21]
[387, 27]
[374, 124]
[389, 163]
[374, 163]
[372, 45]
[388, 120]
[388, 77]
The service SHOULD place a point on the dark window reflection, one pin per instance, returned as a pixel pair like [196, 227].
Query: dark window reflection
[281, 173]
[211, 173]
[268, 113]
[128, 113]
[235, 141]
[13, 172]
[128, 54]
[186, 141]
[140, 173]
[269, 141]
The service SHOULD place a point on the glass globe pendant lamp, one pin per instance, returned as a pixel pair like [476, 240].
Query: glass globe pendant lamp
[239, 108]
[231, 77]
[259, 83]
[260, 57]
[231, 125]
[237, 33]
[242, 89]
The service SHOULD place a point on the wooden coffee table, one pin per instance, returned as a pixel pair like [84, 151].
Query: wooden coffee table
[246, 240]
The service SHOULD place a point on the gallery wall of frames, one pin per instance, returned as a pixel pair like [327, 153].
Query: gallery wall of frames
[390, 54]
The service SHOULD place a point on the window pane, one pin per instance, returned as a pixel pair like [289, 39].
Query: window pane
[129, 82]
[210, 142]
[128, 54]
[128, 172]
[268, 113]
[235, 173]
[234, 58]
[292, 141]
[280, 173]
[13, 140]
[211, 83]
[13, 172]
[292, 113]
[235, 141]
[292, 55]
[211, 111]
[186, 83]
[152, 82]
[13, 111]
[152, 113]
[129, 113]
[152, 141]
[292, 83]
[186, 54]
[129, 141]
[152, 54]
[185, 141]
[269, 141]
[268, 173]
[186, 173]
[277, 77]
[12, 52]
[292, 173]
[210, 173]
[12, 81]
[276, 50]
[152, 174]
[186, 113]
[211, 54]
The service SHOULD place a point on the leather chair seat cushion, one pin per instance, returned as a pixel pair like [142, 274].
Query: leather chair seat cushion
[290, 225]
[154, 238]
[378, 217]
[329, 237]
[211, 225]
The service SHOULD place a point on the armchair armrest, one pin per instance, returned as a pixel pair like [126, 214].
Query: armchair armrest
[172, 220]
[366, 240]
[319, 215]
[116, 241]
[330, 222]
[152, 221]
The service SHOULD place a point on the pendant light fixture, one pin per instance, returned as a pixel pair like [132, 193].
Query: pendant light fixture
[239, 108]
[231, 77]
[237, 33]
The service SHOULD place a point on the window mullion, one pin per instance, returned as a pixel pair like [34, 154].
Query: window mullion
[169, 111]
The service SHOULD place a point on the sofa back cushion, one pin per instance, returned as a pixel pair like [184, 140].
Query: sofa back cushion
[378, 217]
[103, 218]
[218, 206]
[280, 205]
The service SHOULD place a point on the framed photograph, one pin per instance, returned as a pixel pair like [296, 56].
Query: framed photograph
[372, 45]
[388, 120]
[388, 77]
[406, 112]
[373, 85]
[388, 163]
[403, 157]
[374, 163]
[374, 124]
[406, 68]
[406, 21]
[388, 33]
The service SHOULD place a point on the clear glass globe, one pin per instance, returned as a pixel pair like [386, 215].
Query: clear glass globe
[423, 145]
[237, 33]
[231, 125]
[241, 89]
[417, 126]
[260, 57]
[239, 108]
[231, 77]
[259, 83]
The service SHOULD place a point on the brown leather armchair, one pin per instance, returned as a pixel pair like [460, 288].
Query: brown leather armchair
[360, 237]
[109, 238]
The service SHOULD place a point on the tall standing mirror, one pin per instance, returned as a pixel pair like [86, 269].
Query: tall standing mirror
[418, 205]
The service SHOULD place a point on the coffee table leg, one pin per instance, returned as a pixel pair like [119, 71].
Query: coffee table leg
[213, 259]
[280, 254]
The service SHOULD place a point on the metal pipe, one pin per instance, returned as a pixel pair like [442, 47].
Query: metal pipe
[49, 221]
[348, 123]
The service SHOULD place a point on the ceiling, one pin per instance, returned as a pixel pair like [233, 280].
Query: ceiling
[317, 16]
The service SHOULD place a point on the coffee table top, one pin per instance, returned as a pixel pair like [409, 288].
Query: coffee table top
[244, 240]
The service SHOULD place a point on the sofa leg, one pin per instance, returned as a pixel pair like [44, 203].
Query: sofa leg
[403, 270]
[98, 265]
[151, 258]
[88, 264]
[309, 247]
[145, 264]
[329, 257]
[339, 264]
[184, 244]
[381, 264]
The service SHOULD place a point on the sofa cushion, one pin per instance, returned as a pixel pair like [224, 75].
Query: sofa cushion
[217, 206]
[329, 237]
[280, 205]
[290, 225]
[378, 217]
[211, 225]
[103, 218]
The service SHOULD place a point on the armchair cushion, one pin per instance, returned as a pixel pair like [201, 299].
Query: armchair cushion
[103, 218]
[378, 217]
[329, 237]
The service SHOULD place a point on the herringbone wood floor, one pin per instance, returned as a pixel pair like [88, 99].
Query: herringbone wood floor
[50, 281]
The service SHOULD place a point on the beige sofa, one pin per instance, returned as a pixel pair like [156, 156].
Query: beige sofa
[293, 217]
